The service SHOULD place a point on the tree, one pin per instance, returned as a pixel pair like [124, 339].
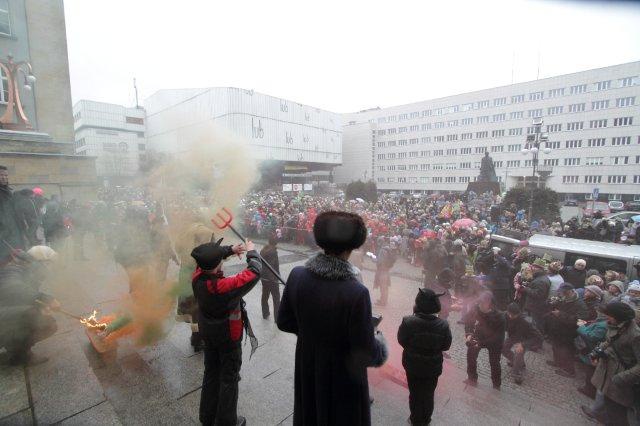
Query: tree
[368, 191]
[545, 202]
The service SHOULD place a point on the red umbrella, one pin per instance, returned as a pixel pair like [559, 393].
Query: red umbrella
[429, 234]
[465, 222]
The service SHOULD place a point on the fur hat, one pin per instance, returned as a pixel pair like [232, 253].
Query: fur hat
[634, 286]
[42, 253]
[610, 276]
[595, 280]
[580, 264]
[337, 232]
[208, 255]
[427, 301]
[618, 310]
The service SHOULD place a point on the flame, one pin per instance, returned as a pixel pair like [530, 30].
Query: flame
[92, 322]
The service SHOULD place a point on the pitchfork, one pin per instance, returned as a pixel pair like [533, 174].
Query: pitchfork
[226, 223]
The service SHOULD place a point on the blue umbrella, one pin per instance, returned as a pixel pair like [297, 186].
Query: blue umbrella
[636, 218]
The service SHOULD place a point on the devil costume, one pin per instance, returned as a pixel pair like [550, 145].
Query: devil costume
[221, 319]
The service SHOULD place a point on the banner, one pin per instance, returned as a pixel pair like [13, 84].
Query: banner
[308, 187]
[287, 187]
[297, 187]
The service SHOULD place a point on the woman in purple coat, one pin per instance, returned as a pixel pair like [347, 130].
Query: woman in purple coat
[330, 311]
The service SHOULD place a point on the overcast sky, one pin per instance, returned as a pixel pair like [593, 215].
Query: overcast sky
[338, 55]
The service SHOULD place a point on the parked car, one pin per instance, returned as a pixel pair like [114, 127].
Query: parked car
[632, 205]
[593, 207]
[570, 202]
[623, 216]
[616, 206]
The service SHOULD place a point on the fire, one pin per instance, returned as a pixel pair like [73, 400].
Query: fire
[92, 322]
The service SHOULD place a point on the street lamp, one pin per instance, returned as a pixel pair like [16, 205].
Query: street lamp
[534, 142]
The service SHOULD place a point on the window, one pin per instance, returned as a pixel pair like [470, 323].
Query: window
[535, 96]
[533, 113]
[382, 132]
[381, 156]
[452, 138]
[554, 93]
[636, 179]
[426, 126]
[413, 180]
[467, 107]
[619, 160]
[439, 138]
[603, 85]
[597, 124]
[464, 179]
[531, 130]
[576, 143]
[467, 121]
[392, 143]
[391, 179]
[424, 179]
[402, 129]
[626, 82]
[391, 118]
[596, 142]
[552, 145]
[402, 142]
[391, 156]
[516, 99]
[577, 107]
[5, 18]
[413, 141]
[580, 88]
[134, 120]
[381, 144]
[450, 166]
[438, 152]
[465, 165]
[616, 179]
[426, 113]
[440, 111]
[452, 151]
[402, 155]
[437, 167]
[498, 164]
[514, 147]
[403, 117]
[413, 154]
[392, 131]
[622, 121]
[391, 168]
[497, 133]
[425, 139]
[4, 92]
[625, 102]
[483, 119]
[555, 110]
[621, 140]
[483, 104]
[484, 134]
[594, 161]
[382, 120]
[499, 117]
[109, 146]
[439, 125]
[576, 125]
[437, 179]
[381, 168]
[513, 163]
[425, 153]
[481, 149]
[554, 128]
[425, 166]
[450, 179]
[464, 151]
[571, 161]
[497, 148]
[452, 123]
[593, 179]
[415, 114]
[81, 142]
[402, 167]
[499, 101]
[569, 179]
[414, 128]
[515, 132]
[551, 162]
[516, 115]
[466, 136]
[596, 105]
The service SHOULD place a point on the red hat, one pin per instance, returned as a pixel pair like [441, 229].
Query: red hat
[38, 191]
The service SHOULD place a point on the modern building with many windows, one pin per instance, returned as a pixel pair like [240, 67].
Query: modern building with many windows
[115, 135]
[591, 119]
[299, 144]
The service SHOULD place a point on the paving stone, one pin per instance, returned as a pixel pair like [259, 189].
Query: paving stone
[21, 418]
[66, 384]
[102, 414]
[14, 391]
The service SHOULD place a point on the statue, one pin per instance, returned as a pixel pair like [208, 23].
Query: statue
[487, 170]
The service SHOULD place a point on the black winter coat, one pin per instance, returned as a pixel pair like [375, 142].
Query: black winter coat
[519, 330]
[573, 276]
[330, 312]
[424, 337]
[500, 274]
[537, 292]
[12, 227]
[487, 328]
[270, 255]
[563, 326]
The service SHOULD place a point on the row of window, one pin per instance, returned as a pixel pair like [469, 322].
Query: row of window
[576, 125]
[613, 179]
[515, 99]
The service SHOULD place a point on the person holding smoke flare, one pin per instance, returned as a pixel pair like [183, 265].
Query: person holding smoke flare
[329, 310]
[221, 319]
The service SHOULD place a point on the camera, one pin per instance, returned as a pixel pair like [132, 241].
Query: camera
[598, 353]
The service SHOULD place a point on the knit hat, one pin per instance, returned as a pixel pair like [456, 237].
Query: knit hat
[595, 290]
[634, 286]
[565, 287]
[38, 191]
[618, 284]
[618, 310]
[514, 309]
[427, 301]
[580, 264]
[208, 255]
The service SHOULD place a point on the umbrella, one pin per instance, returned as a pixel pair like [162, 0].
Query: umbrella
[464, 223]
[360, 200]
[429, 234]
[636, 218]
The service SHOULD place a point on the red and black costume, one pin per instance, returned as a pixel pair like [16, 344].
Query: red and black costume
[221, 320]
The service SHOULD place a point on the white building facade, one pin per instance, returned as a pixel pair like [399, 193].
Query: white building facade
[592, 119]
[302, 139]
[114, 134]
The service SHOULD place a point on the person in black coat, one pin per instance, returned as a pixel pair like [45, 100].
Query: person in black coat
[329, 310]
[12, 227]
[562, 325]
[576, 274]
[424, 337]
[537, 293]
[500, 277]
[484, 327]
[270, 284]
[521, 335]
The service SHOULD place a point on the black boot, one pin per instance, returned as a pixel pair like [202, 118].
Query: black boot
[197, 342]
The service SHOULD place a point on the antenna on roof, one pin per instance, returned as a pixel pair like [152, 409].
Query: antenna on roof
[135, 88]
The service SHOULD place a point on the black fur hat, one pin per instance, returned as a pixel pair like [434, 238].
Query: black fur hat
[337, 232]
[208, 255]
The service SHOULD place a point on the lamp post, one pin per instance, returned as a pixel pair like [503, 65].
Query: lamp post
[534, 141]
[12, 72]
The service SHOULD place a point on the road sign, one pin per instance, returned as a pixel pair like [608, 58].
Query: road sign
[596, 193]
